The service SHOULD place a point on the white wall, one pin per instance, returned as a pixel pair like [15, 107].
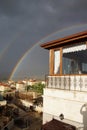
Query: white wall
[20, 87]
[26, 103]
[67, 102]
[2, 88]
[3, 103]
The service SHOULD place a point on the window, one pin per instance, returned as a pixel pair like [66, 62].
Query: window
[57, 62]
[74, 59]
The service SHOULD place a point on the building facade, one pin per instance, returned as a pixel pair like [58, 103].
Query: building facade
[20, 86]
[66, 89]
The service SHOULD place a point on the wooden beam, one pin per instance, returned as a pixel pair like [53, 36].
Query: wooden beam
[64, 40]
[61, 61]
[51, 62]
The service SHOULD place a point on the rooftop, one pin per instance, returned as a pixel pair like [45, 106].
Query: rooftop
[61, 41]
[57, 125]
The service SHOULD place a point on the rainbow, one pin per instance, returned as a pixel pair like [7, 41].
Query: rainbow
[6, 48]
[46, 38]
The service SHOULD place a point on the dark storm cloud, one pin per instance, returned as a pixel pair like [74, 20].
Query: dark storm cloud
[41, 13]
[25, 22]
[10, 7]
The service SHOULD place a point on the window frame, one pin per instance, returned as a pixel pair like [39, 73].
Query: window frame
[61, 60]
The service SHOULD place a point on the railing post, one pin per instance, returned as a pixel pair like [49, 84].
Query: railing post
[69, 83]
[46, 80]
[75, 83]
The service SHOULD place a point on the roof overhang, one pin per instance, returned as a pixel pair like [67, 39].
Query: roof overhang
[81, 36]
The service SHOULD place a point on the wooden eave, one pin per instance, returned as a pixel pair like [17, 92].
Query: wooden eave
[81, 36]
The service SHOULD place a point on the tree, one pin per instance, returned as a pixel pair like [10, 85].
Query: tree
[38, 87]
[29, 87]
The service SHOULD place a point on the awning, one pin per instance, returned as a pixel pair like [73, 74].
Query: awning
[75, 48]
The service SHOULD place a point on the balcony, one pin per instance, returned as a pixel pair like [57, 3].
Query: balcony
[72, 83]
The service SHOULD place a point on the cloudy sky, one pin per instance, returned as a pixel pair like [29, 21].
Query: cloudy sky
[24, 24]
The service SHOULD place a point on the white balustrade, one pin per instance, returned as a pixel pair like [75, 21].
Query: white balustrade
[78, 83]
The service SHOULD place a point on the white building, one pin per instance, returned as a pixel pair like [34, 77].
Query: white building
[3, 103]
[66, 89]
[20, 86]
[32, 82]
[4, 87]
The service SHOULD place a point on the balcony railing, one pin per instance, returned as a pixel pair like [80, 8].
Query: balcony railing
[78, 83]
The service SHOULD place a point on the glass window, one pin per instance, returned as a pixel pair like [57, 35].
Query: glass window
[84, 68]
[74, 60]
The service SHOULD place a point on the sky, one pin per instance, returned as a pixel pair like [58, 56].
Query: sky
[25, 24]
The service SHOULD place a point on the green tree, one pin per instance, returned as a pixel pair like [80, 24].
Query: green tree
[38, 87]
[29, 87]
